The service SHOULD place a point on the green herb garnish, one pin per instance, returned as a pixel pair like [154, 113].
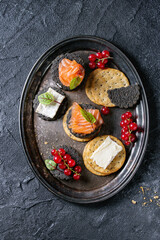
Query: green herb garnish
[47, 98]
[50, 164]
[74, 82]
[88, 116]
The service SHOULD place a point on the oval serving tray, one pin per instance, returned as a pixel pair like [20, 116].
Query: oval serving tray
[38, 136]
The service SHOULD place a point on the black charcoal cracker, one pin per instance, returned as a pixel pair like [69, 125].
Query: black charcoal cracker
[59, 173]
[84, 106]
[124, 97]
[62, 109]
[55, 65]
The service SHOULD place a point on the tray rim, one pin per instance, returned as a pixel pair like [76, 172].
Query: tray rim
[130, 175]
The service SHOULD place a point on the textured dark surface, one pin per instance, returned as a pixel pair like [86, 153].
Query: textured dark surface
[27, 209]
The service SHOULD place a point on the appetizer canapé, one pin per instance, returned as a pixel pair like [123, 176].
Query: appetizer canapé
[104, 155]
[71, 73]
[50, 103]
[82, 122]
[64, 163]
[68, 71]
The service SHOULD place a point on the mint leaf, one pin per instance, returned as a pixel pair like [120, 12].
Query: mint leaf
[75, 82]
[88, 116]
[50, 164]
[46, 98]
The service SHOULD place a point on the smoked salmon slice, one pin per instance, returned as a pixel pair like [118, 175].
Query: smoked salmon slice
[68, 70]
[79, 124]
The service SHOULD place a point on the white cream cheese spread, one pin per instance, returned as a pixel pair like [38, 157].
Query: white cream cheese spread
[106, 152]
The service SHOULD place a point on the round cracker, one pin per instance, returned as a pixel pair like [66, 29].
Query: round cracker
[117, 162]
[70, 134]
[87, 165]
[100, 81]
[88, 86]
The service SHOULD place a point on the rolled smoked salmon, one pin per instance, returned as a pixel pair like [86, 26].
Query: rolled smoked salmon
[79, 124]
[68, 70]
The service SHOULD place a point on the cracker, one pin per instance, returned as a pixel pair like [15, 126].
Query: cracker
[87, 165]
[70, 134]
[117, 162]
[99, 81]
[88, 86]
[124, 97]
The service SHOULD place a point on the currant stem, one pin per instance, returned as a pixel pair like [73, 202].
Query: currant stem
[102, 59]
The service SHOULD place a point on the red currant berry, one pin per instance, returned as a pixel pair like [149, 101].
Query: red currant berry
[123, 131]
[100, 65]
[123, 117]
[105, 61]
[92, 57]
[123, 123]
[62, 165]
[99, 55]
[125, 128]
[133, 138]
[71, 163]
[124, 137]
[92, 65]
[57, 159]
[67, 172]
[130, 120]
[61, 152]
[54, 152]
[76, 177]
[128, 114]
[66, 157]
[78, 169]
[105, 53]
[105, 110]
[127, 143]
[127, 133]
[126, 122]
[133, 126]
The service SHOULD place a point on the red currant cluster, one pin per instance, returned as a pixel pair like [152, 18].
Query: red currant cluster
[128, 126]
[100, 59]
[66, 163]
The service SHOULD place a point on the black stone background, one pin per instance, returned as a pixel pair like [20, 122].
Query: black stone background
[27, 29]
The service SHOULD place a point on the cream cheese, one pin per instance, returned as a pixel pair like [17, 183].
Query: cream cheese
[106, 152]
[50, 110]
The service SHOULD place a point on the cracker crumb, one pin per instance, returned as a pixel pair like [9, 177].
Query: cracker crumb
[45, 143]
[150, 200]
[142, 189]
[134, 202]
[156, 197]
[144, 198]
[144, 203]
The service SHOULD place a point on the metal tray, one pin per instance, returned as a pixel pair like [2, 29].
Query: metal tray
[38, 136]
